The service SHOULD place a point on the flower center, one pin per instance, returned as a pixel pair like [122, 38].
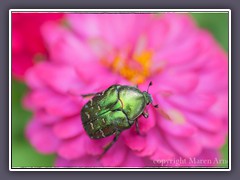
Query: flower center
[136, 69]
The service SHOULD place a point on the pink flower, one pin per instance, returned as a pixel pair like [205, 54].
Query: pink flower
[190, 84]
[27, 42]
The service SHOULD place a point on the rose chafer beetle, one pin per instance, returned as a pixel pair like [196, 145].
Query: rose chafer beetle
[114, 110]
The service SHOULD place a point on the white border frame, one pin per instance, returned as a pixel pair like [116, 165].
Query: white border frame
[121, 10]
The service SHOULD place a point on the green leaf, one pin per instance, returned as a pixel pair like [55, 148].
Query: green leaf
[216, 23]
[23, 155]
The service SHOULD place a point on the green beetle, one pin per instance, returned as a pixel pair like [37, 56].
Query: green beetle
[114, 110]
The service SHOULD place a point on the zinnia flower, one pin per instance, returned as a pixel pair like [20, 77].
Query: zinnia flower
[190, 84]
[27, 42]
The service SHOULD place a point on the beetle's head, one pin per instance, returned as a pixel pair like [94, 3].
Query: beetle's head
[148, 97]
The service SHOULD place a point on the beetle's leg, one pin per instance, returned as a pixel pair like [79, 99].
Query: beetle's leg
[156, 106]
[87, 95]
[110, 144]
[145, 114]
[137, 127]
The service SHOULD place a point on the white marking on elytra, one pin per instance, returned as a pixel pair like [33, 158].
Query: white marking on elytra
[99, 108]
[103, 135]
[103, 120]
[92, 126]
[87, 115]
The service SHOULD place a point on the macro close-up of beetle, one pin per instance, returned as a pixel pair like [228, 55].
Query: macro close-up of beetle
[114, 110]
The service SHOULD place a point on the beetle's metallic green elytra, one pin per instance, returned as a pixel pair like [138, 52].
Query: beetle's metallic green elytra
[114, 110]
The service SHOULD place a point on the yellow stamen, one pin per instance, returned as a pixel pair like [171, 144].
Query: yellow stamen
[136, 70]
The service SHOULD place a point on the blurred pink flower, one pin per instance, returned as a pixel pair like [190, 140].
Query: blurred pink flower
[27, 42]
[190, 84]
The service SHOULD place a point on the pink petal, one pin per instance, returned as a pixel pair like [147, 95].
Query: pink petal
[132, 160]
[109, 26]
[156, 147]
[20, 64]
[55, 104]
[32, 79]
[162, 153]
[212, 156]
[207, 158]
[179, 130]
[85, 161]
[178, 82]
[60, 78]
[177, 55]
[151, 144]
[95, 73]
[220, 108]
[209, 76]
[170, 29]
[96, 146]
[212, 140]
[194, 102]
[42, 138]
[68, 127]
[205, 122]
[45, 118]
[61, 162]
[115, 155]
[64, 46]
[73, 148]
[89, 25]
[186, 147]
[133, 140]
[180, 26]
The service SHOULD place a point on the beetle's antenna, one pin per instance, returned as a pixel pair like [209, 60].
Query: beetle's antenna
[150, 84]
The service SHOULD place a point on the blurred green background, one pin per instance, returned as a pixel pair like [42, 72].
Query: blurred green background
[23, 155]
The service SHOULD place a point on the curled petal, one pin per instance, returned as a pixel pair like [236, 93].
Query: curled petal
[207, 158]
[194, 102]
[45, 118]
[134, 140]
[186, 147]
[185, 83]
[212, 139]
[42, 138]
[54, 104]
[206, 122]
[132, 160]
[85, 161]
[62, 79]
[115, 155]
[180, 130]
[156, 147]
[64, 47]
[108, 27]
[73, 148]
